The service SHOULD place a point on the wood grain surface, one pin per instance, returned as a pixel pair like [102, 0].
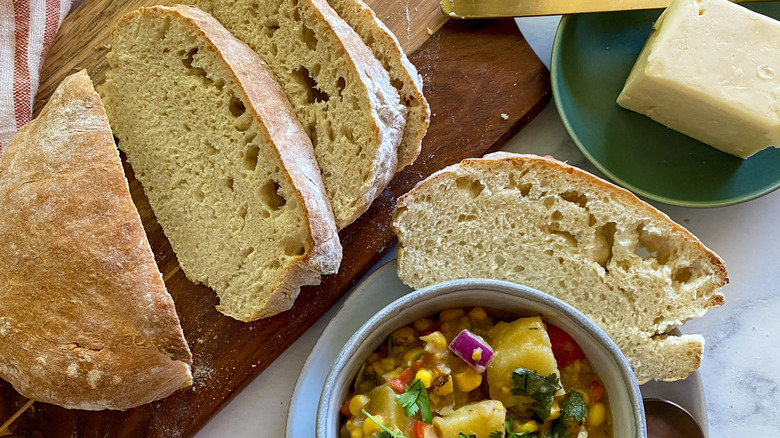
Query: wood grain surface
[473, 73]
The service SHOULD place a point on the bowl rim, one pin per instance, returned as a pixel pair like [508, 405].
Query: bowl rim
[513, 290]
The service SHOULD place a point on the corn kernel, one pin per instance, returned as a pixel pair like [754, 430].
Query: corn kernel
[442, 385]
[403, 336]
[377, 367]
[370, 427]
[425, 376]
[423, 324]
[412, 355]
[387, 364]
[357, 403]
[450, 314]
[555, 411]
[355, 427]
[585, 395]
[528, 427]
[468, 380]
[435, 341]
[597, 414]
[373, 357]
[477, 314]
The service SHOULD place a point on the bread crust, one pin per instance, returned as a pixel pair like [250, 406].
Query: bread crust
[370, 28]
[643, 336]
[385, 108]
[386, 112]
[267, 99]
[264, 97]
[85, 319]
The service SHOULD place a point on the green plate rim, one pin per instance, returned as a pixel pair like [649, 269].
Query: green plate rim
[554, 82]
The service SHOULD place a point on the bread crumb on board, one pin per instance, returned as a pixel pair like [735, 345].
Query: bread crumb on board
[505, 116]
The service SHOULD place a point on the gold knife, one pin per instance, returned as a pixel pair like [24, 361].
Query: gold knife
[526, 8]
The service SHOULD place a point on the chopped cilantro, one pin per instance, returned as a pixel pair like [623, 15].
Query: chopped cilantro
[559, 429]
[463, 435]
[416, 398]
[541, 389]
[574, 406]
[385, 432]
[496, 434]
[389, 346]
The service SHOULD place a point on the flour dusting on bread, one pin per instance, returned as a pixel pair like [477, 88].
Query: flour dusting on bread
[78, 280]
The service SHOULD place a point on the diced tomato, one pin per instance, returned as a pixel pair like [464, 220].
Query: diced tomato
[564, 347]
[423, 430]
[596, 390]
[419, 429]
[406, 377]
[344, 409]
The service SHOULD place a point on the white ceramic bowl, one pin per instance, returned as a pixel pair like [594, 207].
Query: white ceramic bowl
[624, 397]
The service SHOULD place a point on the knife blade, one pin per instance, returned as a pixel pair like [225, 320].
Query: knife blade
[526, 8]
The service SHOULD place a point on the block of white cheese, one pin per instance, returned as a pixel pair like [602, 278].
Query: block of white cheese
[711, 70]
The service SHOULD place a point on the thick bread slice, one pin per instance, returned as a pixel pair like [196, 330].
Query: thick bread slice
[85, 320]
[403, 74]
[228, 169]
[556, 228]
[339, 90]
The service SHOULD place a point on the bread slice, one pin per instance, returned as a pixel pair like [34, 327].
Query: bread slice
[403, 74]
[558, 229]
[228, 169]
[85, 320]
[340, 92]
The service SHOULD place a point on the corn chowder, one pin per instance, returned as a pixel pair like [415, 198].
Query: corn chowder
[465, 374]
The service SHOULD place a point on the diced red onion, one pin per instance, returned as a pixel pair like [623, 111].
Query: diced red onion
[472, 349]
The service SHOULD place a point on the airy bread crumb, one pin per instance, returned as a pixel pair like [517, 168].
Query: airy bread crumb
[558, 229]
[403, 74]
[340, 92]
[227, 167]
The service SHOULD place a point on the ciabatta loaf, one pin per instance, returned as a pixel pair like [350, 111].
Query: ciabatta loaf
[403, 74]
[227, 167]
[85, 320]
[553, 227]
[339, 90]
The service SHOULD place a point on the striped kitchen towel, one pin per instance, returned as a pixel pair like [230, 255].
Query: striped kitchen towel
[27, 29]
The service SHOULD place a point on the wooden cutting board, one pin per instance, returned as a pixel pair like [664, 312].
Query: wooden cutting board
[483, 83]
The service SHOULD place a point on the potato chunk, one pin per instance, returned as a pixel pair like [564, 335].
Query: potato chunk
[480, 419]
[384, 403]
[520, 344]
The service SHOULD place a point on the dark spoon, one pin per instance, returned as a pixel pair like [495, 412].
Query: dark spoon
[666, 419]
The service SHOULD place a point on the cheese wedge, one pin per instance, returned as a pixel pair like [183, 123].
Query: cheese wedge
[711, 70]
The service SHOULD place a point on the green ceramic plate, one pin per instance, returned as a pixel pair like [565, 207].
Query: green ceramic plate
[591, 58]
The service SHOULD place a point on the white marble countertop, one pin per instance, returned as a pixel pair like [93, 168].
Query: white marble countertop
[740, 368]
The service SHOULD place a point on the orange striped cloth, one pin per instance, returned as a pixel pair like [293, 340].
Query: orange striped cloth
[27, 29]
